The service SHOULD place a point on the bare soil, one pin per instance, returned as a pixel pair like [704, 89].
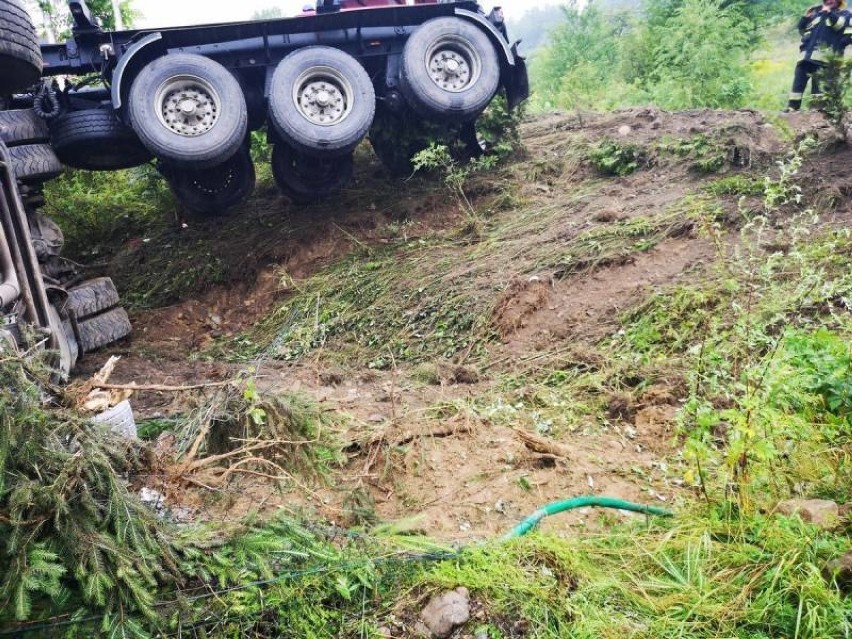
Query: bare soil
[461, 475]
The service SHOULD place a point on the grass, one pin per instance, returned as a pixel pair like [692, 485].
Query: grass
[433, 298]
[710, 573]
[755, 347]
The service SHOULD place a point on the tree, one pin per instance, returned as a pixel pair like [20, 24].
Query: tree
[57, 17]
[581, 65]
[699, 56]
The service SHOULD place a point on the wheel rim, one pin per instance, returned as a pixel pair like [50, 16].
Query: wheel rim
[323, 96]
[453, 64]
[187, 105]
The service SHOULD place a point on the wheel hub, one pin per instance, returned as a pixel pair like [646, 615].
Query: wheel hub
[188, 106]
[323, 96]
[449, 70]
[453, 64]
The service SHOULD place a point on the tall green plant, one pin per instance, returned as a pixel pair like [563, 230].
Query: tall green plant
[699, 57]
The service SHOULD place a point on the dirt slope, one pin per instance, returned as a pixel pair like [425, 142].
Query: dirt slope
[567, 250]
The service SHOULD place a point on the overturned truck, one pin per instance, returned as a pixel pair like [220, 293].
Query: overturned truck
[318, 83]
[188, 99]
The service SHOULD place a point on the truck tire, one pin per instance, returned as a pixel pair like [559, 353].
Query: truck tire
[22, 126]
[34, 163]
[306, 179]
[212, 192]
[449, 70]
[20, 55]
[96, 140]
[188, 110]
[92, 297]
[321, 101]
[104, 329]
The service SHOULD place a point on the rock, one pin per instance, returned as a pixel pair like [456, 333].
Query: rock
[840, 571]
[821, 512]
[446, 612]
[624, 130]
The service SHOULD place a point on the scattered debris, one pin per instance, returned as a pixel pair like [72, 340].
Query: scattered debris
[92, 397]
[119, 419]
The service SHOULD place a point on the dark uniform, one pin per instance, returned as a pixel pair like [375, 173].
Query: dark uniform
[823, 30]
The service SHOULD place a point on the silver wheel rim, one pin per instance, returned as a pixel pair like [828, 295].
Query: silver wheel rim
[323, 96]
[453, 64]
[187, 105]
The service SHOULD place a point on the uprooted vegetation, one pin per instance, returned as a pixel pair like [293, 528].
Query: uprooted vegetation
[678, 331]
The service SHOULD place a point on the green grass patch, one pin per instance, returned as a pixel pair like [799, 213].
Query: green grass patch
[99, 211]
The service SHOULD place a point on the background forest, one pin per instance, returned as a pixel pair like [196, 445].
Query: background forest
[676, 54]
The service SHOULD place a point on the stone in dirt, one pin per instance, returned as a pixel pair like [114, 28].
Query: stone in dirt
[822, 512]
[444, 613]
[840, 570]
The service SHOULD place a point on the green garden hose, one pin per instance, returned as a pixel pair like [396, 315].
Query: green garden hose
[580, 502]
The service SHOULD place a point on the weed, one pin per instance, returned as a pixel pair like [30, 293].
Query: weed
[834, 78]
[736, 185]
[706, 154]
[613, 158]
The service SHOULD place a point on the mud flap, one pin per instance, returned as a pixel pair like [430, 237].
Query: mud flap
[518, 85]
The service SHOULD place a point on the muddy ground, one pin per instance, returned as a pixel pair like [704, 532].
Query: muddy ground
[462, 474]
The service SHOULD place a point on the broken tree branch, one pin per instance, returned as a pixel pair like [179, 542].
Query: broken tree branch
[539, 444]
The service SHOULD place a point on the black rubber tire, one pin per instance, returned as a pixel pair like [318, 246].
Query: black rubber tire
[148, 95]
[305, 179]
[92, 297]
[96, 140]
[347, 79]
[398, 137]
[20, 55]
[22, 126]
[104, 329]
[441, 101]
[212, 192]
[34, 163]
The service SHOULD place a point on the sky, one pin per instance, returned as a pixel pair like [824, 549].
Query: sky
[161, 13]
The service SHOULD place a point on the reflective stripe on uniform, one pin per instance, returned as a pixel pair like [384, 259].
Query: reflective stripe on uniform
[796, 96]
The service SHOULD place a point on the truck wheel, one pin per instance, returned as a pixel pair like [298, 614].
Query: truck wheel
[305, 179]
[104, 329]
[96, 140]
[22, 126]
[20, 55]
[321, 101]
[449, 70]
[211, 192]
[188, 110]
[34, 163]
[92, 297]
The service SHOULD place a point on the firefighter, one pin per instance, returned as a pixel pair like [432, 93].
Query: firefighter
[822, 28]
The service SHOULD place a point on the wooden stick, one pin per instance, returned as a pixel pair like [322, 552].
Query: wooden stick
[539, 444]
[162, 388]
[440, 431]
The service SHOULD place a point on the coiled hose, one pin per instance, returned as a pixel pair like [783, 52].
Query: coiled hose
[45, 104]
